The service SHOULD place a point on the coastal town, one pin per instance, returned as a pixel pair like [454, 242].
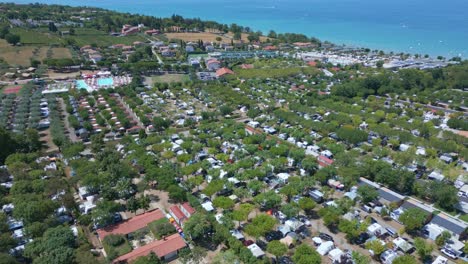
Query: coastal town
[134, 139]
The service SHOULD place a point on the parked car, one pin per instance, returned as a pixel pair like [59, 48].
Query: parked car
[361, 239]
[247, 242]
[326, 237]
[449, 252]
[273, 235]
[261, 244]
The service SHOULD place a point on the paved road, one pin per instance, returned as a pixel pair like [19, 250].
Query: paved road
[437, 108]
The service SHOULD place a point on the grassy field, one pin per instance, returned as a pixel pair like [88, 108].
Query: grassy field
[22, 55]
[58, 53]
[168, 78]
[86, 36]
[16, 55]
[36, 37]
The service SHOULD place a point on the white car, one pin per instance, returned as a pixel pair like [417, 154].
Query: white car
[449, 252]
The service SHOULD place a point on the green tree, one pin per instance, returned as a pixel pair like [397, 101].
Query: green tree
[423, 248]
[305, 254]
[198, 226]
[376, 246]
[443, 238]
[260, 225]
[307, 204]
[359, 258]
[150, 259]
[330, 215]
[7, 259]
[290, 210]
[268, 199]
[194, 255]
[406, 259]
[351, 135]
[52, 27]
[413, 219]
[309, 164]
[276, 248]
[12, 39]
[367, 193]
[6, 242]
[223, 202]
[132, 205]
[243, 212]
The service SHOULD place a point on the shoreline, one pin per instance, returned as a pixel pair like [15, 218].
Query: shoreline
[378, 43]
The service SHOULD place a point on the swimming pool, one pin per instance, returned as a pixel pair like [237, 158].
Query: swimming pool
[105, 82]
[81, 84]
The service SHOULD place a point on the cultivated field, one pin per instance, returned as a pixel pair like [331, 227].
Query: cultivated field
[168, 78]
[208, 36]
[86, 36]
[16, 55]
[58, 53]
[22, 55]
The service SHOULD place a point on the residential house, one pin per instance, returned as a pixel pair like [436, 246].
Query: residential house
[223, 72]
[129, 30]
[213, 64]
[324, 161]
[189, 48]
[166, 249]
[152, 32]
[131, 225]
[167, 53]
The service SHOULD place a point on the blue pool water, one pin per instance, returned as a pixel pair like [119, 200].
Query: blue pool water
[105, 82]
[81, 84]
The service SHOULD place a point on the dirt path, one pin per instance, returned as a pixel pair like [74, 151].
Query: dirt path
[134, 116]
[71, 132]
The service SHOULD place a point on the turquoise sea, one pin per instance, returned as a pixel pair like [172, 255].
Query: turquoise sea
[416, 26]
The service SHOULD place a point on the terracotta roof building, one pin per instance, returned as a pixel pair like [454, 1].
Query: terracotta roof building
[165, 249]
[187, 209]
[177, 214]
[324, 161]
[131, 225]
[223, 71]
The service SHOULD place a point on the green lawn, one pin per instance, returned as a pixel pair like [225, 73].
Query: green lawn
[87, 36]
[36, 37]
[116, 251]
[168, 78]
[464, 217]
[83, 36]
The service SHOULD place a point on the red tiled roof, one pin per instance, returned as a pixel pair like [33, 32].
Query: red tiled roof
[176, 212]
[160, 247]
[188, 208]
[11, 90]
[270, 48]
[131, 225]
[223, 71]
[247, 66]
[324, 161]
[312, 63]
[212, 61]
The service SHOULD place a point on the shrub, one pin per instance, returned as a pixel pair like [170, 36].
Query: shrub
[114, 240]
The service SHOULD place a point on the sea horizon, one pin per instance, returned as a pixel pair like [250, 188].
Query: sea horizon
[415, 27]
